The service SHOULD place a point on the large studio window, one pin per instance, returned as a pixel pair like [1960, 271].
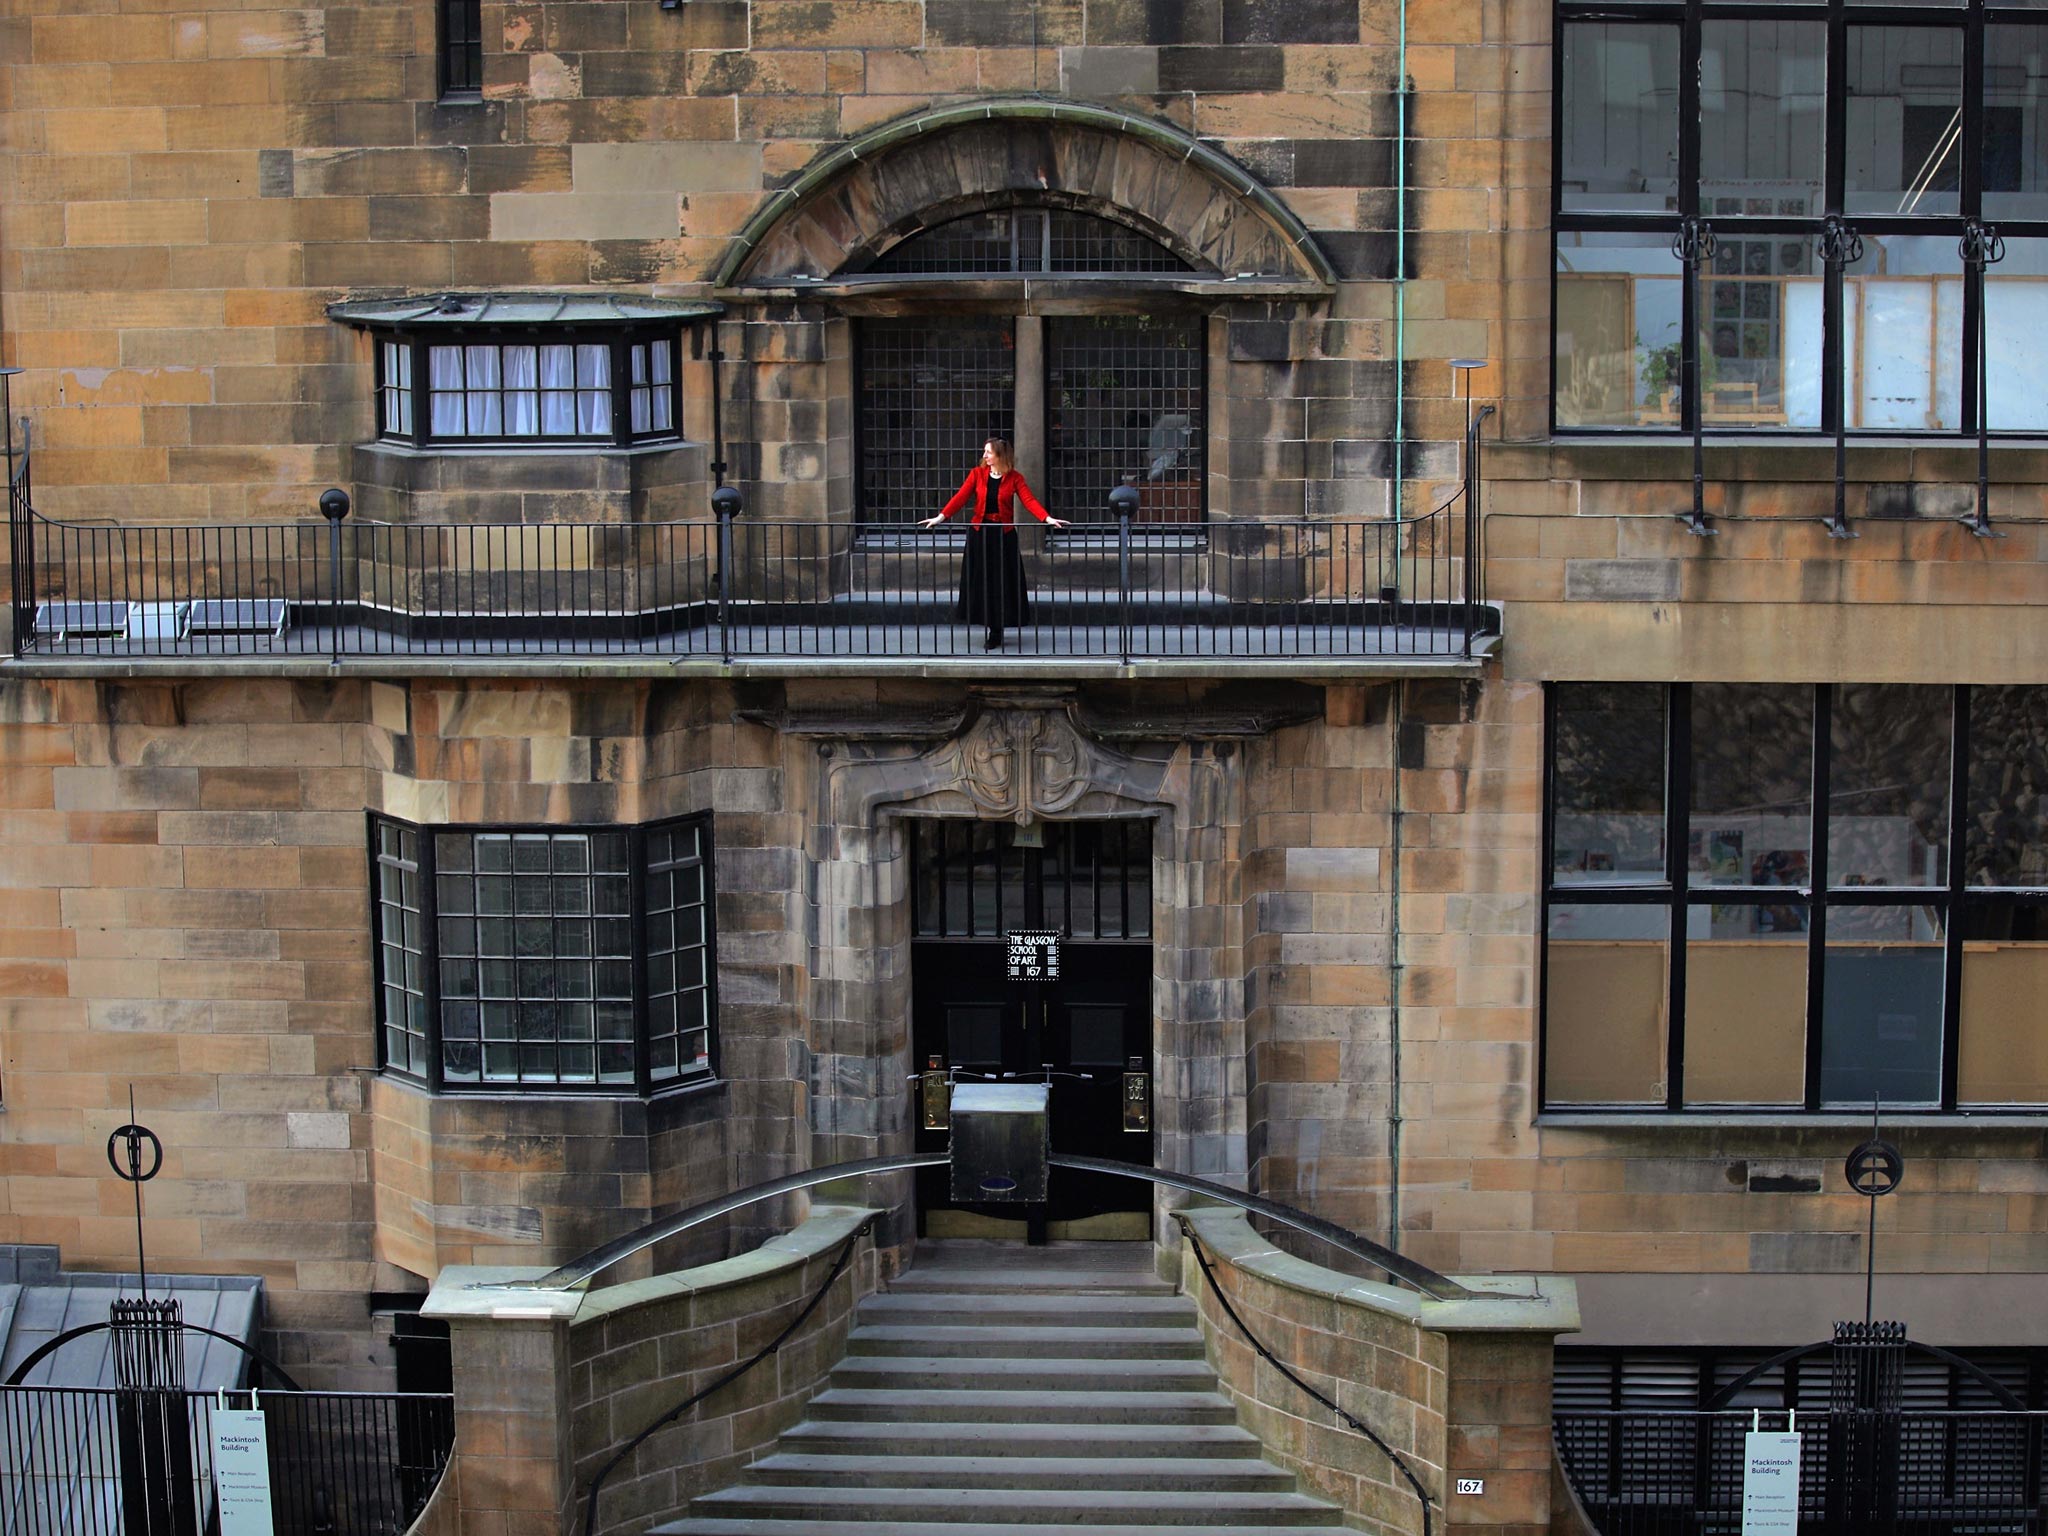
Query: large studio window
[555, 958]
[526, 370]
[1759, 898]
[1763, 123]
[1123, 393]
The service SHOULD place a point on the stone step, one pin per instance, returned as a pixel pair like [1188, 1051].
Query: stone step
[1113, 1473]
[824, 1437]
[1029, 1279]
[1057, 1376]
[1018, 1506]
[725, 1526]
[957, 1405]
[953, 1341]
[962, 1309]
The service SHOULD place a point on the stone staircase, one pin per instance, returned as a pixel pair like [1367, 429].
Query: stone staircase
[996, 1390]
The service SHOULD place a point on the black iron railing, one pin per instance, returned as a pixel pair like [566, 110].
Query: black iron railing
[94, 1462]
[732, 588]
[1961, 1473]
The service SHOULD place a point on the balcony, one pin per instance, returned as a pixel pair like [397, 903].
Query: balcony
[732, 596]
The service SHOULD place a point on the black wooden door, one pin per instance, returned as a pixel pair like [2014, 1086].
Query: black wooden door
[1089, 1030]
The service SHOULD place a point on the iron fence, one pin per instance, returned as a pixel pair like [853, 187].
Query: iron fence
[1923, 1473]
[102, 1462]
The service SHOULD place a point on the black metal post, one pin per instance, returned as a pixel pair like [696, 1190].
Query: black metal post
[1981, 247]
[726, 501]
[21, 528]
[334, 507]
[1840, 247]
[1692, 245]
[1123, 501]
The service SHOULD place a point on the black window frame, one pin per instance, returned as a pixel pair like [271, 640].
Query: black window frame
[620, 342]
[644, 1084]
[1958, 901]
[459, 49]
[1970, 18]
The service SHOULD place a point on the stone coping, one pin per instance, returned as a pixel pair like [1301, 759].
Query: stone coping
[481, 1291]
[1515, 1303]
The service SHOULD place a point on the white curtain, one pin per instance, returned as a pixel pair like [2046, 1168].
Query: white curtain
[557, 385]
[522, 404]
[594, 397]
[444, 368]
[486, 407]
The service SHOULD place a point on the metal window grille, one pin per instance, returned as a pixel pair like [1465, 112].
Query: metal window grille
[462, 47]
[534, 942]
[931, 391]
[401, 944]
[678, 955]
[1029, 240]
[1125, 396]
[1091, 879]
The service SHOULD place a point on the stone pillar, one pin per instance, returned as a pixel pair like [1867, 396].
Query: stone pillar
[1497, 1431]
[510, 1351]
[1027, 436]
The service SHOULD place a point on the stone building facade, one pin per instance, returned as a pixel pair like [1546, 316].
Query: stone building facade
[1351, 862]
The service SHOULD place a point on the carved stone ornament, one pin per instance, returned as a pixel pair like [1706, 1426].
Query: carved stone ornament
[1025, 765]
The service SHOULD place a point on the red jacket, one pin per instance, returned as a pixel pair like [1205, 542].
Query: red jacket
[1009, 491]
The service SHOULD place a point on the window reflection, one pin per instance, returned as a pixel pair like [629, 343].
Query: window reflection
[1761, 305]
[2008, 804]
[1902, 309]
[1608, 779]
[1618, 356]
[1763, 99]
[1904, 132]
[2015, 364]
[1888, 785]
[1620, 149]
[1752, 785]
[2015, 130]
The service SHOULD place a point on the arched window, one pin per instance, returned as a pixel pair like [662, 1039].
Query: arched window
[1088, 398]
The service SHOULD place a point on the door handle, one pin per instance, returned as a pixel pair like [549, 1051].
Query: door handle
[935, 1095]
[1137, 1096]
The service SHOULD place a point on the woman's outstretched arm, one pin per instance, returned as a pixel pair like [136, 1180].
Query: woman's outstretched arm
[956, 501]
[1021, 489]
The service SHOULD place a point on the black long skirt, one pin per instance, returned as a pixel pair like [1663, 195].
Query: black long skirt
[992, 591]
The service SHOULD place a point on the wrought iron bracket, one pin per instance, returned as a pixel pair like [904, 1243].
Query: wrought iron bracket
[1693, 245]
[1981, 248]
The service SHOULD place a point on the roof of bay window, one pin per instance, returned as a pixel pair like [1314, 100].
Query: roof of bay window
[456, 310]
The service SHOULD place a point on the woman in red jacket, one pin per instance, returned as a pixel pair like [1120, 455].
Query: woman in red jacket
[992, 574]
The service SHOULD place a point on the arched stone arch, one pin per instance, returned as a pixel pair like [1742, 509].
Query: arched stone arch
[944, 162]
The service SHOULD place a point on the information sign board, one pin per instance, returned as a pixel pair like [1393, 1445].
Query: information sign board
[241, 1472]
[1770, 1483]
[1034, 954]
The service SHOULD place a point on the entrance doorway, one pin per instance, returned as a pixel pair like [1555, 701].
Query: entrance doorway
[972, 884]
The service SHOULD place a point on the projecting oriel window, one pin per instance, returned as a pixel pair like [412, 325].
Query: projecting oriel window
[559, 958]
[1776, 137]
[1789, 897]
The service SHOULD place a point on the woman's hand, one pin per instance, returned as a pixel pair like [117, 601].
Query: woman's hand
[931, 522]
[1055, 522]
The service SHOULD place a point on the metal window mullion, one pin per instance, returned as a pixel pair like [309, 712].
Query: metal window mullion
[421, 389]
[621, 388]
[430, 960]
[636, 908]
[1958, 896]
[1690, 129]
[1678, 818]
[1548, 873]
[708, 888]
[1970, 185]
[1817, 875]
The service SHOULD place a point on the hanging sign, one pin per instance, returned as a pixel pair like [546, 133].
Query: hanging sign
[241, 1472]
[1034, 954]
[1770, 1483]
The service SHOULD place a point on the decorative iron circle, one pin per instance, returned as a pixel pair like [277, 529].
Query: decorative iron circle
[133, 1136]
[1875, 1168]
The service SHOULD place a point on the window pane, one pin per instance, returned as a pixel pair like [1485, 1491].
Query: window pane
[1881, 1024]
[1752, 784]
[1888, 773]
[1124, 396]
[1902, 305]
[1605, 984]
[931, 391]
[1904, 125]
[2015, 126]
[2005, 1005]
[1760, 309]
[2016, 301]
[1745, 1004]
[2008, 793]
[1607, 774]
[1619, 299]
[1763, 99]
[1620, 150]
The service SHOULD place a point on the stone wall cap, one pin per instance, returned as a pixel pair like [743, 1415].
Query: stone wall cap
[827, 1227]
[482, 1291]
[1506, 1303]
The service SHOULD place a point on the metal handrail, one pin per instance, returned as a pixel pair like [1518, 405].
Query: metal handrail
[1397, 1265]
